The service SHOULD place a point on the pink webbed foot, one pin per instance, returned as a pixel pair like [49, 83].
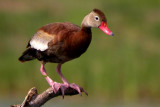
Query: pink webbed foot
[73, 86]
[64, 87]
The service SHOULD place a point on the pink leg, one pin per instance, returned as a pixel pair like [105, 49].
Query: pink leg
[53, 84]
[60, 74]
[56, 86]
[66, 83]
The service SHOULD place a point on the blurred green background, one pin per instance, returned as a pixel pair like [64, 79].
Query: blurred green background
[123, 70]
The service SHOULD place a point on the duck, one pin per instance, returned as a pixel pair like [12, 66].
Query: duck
[60, 42]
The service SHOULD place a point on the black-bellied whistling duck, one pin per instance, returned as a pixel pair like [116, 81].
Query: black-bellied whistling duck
[62, 42]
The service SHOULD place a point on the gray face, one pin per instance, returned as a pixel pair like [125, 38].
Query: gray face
[92, 20]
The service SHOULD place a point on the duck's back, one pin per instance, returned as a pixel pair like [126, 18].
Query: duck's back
[60, 28]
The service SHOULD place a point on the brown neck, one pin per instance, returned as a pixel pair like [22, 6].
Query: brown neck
[86, 30]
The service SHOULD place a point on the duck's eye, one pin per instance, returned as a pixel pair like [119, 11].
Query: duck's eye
[96, 18]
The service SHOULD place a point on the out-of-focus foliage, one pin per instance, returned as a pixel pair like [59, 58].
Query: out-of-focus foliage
[120, 68]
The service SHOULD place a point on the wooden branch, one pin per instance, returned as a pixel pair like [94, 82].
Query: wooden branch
[33, 99]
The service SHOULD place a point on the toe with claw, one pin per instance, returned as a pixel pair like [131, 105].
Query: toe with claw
[67, 87]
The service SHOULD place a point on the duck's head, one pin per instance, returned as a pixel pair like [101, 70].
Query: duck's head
[96, 18]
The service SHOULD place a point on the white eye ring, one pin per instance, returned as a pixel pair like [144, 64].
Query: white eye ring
[96, 18]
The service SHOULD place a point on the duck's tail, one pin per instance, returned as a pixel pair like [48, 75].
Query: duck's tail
[28, 55]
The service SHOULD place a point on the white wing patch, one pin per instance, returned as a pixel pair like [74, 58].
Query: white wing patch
[40, 41]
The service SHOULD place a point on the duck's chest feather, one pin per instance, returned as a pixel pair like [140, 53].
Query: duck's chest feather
[78, 43]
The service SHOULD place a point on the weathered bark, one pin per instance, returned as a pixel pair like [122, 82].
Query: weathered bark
[33, 99]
